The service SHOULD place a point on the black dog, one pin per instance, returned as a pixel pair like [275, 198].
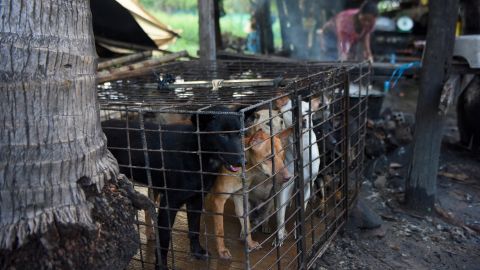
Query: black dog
[187, 173]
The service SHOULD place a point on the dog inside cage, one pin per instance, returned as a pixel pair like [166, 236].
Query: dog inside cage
[251, 175]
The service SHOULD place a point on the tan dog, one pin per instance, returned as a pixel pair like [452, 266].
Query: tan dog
[260, 196]
[259, 166]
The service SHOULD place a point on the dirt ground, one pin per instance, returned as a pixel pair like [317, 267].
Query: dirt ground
[448, 238]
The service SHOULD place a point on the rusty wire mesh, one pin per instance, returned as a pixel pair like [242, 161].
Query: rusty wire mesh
[298, 128]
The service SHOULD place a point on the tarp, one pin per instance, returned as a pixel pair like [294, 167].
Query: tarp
[120, 22]
[160, 33]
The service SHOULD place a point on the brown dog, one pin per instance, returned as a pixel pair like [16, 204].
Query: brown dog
[259, 165]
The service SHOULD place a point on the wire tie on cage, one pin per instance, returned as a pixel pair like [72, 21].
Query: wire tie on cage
[217, 84]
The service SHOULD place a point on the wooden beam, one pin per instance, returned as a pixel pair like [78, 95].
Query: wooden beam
[421, 184]
[137, 69]
[127, 45]
[206, 19]
[124, 59]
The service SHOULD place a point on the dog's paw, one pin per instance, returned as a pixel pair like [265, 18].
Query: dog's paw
[320, 212]
[200, 253]
[163, 262]
[281, 236]
[253, 245]
[225, 254]
[150, 234]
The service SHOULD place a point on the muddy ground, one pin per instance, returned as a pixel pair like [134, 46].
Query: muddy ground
[447, 238]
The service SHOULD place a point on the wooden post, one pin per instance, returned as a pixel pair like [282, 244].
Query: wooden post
[264, 22]
[422, 174]
[218, 29]
[298, 36]
[206, 19]
[282, 16]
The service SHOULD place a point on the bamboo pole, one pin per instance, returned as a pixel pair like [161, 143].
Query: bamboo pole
[137, 69]
[127, 45]
[217, 84]
[124, 59]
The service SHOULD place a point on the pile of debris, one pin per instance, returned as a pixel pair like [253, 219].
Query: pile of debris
[386, 144]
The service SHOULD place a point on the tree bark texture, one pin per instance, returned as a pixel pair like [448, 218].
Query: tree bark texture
[422, 174]
[60, 202]
[206, 20]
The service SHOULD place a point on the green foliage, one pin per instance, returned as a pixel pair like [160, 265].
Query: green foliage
[230, 6]
[186, 21]
[170, 5]
[237, 6]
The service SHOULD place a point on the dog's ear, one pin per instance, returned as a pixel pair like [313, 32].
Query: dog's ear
[249, 115]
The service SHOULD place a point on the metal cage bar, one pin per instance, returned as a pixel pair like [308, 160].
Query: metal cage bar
[159, 109]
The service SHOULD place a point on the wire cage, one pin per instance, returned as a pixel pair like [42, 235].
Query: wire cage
[253, 165]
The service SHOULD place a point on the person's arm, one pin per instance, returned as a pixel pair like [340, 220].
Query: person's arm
[367, 51]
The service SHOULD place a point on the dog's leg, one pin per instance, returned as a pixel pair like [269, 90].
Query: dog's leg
[194, 208]
[322, 191]
[166, 219]
[219, 201]
[310, 172]
[264, 218]
[283, 199]
[306, 190]
[149, 233]
[246, 232]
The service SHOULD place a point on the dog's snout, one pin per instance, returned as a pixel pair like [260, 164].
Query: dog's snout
[285, 175]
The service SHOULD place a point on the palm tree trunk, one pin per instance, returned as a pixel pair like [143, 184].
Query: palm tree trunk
[60, 204]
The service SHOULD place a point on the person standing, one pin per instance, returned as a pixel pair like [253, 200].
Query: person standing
[253, 37]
